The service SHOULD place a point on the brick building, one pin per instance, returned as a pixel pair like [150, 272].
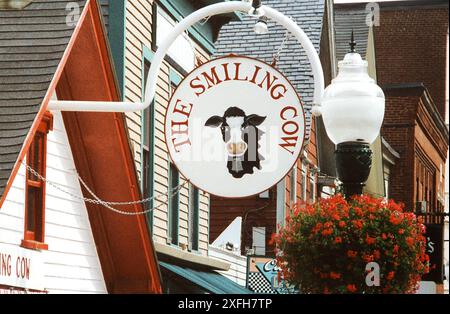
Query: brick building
[411, 49]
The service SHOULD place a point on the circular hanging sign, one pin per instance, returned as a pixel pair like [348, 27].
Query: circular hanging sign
[235, 126]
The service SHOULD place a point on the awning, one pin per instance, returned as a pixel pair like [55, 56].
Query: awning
[211, 281]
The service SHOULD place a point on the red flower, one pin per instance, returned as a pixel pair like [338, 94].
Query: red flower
[357, 224]
[368, 258]
[351, 288]
[376, 254]
[323, 275]
[342, 224]
[410, 241]
[351, 254]
[401, 231]
[334, 275]
[358, 211]
[370, 240]
[390, 275]
[384, 236]
[394, 220]
[395, 250]
[327, 232]
[338, 240]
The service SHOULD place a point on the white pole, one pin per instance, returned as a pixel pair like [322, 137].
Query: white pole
[180, 28]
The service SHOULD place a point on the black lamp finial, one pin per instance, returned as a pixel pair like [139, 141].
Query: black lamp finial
[353, 43]
[256, 4]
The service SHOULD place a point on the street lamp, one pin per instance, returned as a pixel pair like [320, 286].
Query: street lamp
[353, 110]
[256, 10]
[261, 27]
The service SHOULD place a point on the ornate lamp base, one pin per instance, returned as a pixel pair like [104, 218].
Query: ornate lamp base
[353, 164]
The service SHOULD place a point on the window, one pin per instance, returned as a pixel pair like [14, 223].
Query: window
[312, 188]
[174, 205]
[147, 147]
[293, 185]
[181, 50]
[303, 183]
[194, 219]
[147, 139]
[259, 240]
[386, 187]
[34, 228]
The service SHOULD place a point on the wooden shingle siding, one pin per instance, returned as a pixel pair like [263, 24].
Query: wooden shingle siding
[71, 262]
[32, 41]
[138, 34]
[104, 4]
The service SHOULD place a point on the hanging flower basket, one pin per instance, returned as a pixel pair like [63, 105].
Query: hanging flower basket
[327, 247]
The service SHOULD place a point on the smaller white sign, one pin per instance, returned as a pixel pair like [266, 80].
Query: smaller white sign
[21, 267]
[427, 287]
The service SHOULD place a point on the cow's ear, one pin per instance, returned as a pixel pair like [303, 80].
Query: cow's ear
[214, 121]
[254, 120]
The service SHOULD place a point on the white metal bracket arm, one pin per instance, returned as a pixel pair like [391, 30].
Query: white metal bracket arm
[199, 15]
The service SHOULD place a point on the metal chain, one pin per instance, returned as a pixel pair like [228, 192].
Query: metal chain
[197, 59]
[205, 20]
[106, 204]
[277, 55]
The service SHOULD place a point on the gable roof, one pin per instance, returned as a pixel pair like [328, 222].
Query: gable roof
[99, 142]
[239, 38]
[32, 44]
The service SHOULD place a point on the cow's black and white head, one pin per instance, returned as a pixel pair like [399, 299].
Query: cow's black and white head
[241, 135]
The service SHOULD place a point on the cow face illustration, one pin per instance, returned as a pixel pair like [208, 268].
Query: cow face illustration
[241, 135]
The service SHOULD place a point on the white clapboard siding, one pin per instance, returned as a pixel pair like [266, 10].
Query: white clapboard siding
[138, 35]
[238, 264]
[71, 262]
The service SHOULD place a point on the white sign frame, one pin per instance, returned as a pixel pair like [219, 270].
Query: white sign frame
[281, 106]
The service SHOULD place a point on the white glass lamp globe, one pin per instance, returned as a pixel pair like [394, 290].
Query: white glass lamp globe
[261, 27]
[353, 104]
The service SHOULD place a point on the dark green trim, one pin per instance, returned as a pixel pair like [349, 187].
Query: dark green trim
[203, 34]
[194, 205]
[154, 24]
[147, 56]
[116, 36]
[174, 77]
[173, 215]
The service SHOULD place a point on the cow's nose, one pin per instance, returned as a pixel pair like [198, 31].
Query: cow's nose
[236, 148]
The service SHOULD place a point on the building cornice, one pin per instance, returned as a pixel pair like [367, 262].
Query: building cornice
[427, 101]
[174, 254]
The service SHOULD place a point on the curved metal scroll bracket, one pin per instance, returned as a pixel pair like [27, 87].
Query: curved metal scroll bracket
[182, 26]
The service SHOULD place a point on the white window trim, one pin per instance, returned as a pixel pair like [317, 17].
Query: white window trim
[305, 182]
[293, 185]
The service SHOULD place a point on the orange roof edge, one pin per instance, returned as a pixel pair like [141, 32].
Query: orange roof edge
[103, 157]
